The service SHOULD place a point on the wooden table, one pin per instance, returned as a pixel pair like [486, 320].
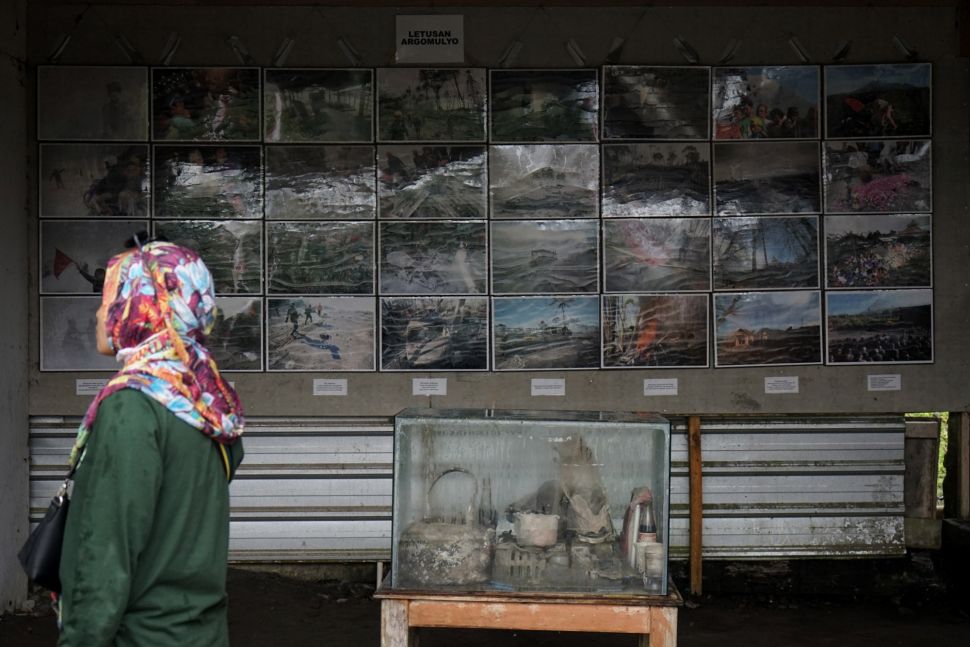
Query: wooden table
[652, 617]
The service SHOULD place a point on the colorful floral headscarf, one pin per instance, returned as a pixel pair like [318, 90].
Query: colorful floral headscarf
[160, 309]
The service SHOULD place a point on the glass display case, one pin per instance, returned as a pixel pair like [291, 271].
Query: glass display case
[530, 501]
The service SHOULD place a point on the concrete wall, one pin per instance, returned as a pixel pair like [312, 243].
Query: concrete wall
[764, 33]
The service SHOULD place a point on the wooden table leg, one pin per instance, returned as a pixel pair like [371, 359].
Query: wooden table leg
[663, 628]
[395, 628]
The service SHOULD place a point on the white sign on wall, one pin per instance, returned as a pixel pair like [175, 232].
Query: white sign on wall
[430, 39]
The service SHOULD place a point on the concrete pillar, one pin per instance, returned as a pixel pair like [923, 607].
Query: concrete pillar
[13, 296]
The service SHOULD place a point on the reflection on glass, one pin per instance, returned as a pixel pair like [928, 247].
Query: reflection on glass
[544, 181]
[318, 105]
[650, 102]
[320, 257]
[427, 104]
[232, 250]
[537, 256]
[431, 181]
[434, 333]
[93, 180]
[205, 104]
[655, 330]
[544, 105]
[236, 342]
[657, 254]
[208, 182]
[766, 178]
[546, 332]
[878, 176]
[765, 253]
[779, 102]
[443, 257]
[320, 182]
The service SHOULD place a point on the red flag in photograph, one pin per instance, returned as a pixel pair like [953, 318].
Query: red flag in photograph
[61, 262]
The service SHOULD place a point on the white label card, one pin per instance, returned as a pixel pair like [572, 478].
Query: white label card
[668, 386]
[329, 387]
[430, 38]
[785, 384]
[548, 387]
[890, 382]
[89, 386]
[429, 386]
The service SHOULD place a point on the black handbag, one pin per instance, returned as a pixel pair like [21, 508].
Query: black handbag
[41, 554]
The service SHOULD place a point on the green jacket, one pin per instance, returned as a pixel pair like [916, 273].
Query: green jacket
[146, 543]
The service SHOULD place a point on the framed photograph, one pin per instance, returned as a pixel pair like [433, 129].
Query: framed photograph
[205, 104]
[320, 257]
[94, 181]
[434, 333]
[773, 102]
[657, 255]
[767, 328]
[75, 253]
[885, 251]
[873, 176]
[441, 257]
[236, 342]
[655, 330]
[884, 100]
[546, 333]
[208, 182]
[68, 335]
[321, 334]
[77, 103]
[320, 182]
[231, 249]
[544, 105]
[642, 180]
[767, 178]
[544, 181]
[655, 102]
[879, 327]
[765, 253]
[432, 182]
[431, 104]
[545, 256]
[302, 105]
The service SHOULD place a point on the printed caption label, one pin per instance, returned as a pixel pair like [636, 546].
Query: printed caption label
[329, 387]
[429, 386]
[786, 384]
[89, 386]
[548, 387]
[666, 386]
[890, 382]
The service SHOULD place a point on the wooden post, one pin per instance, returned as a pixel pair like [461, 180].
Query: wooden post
[395, 626]
[663, 628]
[959, 445]
[696, 503]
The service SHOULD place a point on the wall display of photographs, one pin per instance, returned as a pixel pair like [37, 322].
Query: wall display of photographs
[753, 178]
[874, 176]
[208, 182]
[655, 102]
[655, 330]
[767, 328]
[94, 181]
[302, 105]
[236, 341]
[544, 105]
[885, 251]
[441, 257]
[656, 180]
[544, 181]
[431, 104]
[67, 335]
[75, 253]
[205, 104]
[320, 257]
[320, 182]
[657, 255]
[545, 256]
[432, 181]
[765, 253]
[434, 333]
[231, 249]
[879, 327]
[885, 100]
[775, 102]
[321, 334]
[546, 333]
[77, 103]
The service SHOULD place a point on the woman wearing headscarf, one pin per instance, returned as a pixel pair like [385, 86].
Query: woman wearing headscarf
[146, 542]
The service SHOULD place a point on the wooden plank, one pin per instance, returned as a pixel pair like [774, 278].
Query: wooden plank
[922, 454]
[672, 599]
[530, 617]
[696, 503]
[962, 427]
[395, 627]
[663, 629]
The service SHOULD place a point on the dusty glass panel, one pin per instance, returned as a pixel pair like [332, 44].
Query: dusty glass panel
[318, 105]
[774, 102]
[765, 253]
[320, 257]
[657, 254]
[434, 333]
[543, 256]
[431, 181]
[440, 257]
[93, 180]
[752, 178]
[320, 182]
[544, 181]
[431, 104]
[655, 102]
[544, 105]
[208, 182]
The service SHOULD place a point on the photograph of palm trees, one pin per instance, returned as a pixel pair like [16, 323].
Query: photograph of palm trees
[94, 180]
[439, 257]
[105, 103]
[432, 181]
[754, 178]
[67, 335]
[878, 176]
[885, 100]
[656, 180]
[544, 256]
[320, 257]
[434, 333]
[207, 182]
[554, 333]
[880, 327]
[657, 254]
[655, 102]
[321, 334]
[544, 181]
[236, 341]
[318, 105]
[231, 249]
[431, 105]
[205, 104]
[765, 253]
[775, 102]
[655, 330]
[888, 251]
[320, 182]
[74, 253]
[767, 328]
[544, 105]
